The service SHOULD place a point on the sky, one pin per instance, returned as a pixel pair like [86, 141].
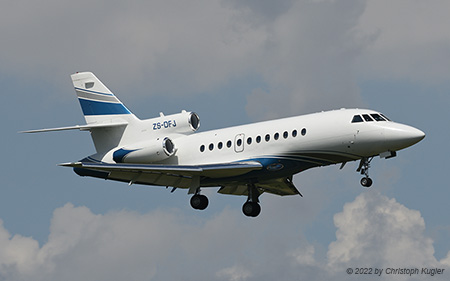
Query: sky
[233, 62]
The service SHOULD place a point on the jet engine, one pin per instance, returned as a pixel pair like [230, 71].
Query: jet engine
[181, 123]
[145, 152]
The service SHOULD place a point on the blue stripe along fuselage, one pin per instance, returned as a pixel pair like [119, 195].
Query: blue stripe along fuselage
[275, 166]
[91, 107]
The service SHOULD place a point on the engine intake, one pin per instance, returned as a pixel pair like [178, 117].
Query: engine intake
[146, 152]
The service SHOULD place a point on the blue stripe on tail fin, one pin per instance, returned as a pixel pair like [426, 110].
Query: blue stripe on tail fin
[91, 107]
[95, 98]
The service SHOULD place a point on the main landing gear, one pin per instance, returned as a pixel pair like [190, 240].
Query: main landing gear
[363, 168]
[251, 207]
[199, 201]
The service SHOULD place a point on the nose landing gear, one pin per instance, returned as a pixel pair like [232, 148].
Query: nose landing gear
[363, 168]
[366, 182]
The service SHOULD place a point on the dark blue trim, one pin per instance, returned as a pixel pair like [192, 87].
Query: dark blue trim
[90, 173]
[94, 92]
[118, 155]
[90, 107]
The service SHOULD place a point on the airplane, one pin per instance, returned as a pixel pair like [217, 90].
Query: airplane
[246, 160]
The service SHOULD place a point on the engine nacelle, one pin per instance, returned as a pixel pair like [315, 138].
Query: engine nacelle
[181, 123]
[145, 152]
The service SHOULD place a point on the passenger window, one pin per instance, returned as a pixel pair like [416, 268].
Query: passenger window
[239, 142]
[211, 146]
[202, 148]
[249, 140]
[357, 119]
[258, 139]
[294, 133]
[276, 136]
[229, 144]
[267, 137]
[220, 145]
[285, 135]
[367, 118]
[303, 131]
[377, 117]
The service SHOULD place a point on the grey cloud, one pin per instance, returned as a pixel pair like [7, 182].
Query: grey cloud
[173, 47]
[412, 42]
[309, 60]
[259, 11]
[309, 54]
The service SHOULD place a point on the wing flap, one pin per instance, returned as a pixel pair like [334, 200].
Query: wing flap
[280, 186]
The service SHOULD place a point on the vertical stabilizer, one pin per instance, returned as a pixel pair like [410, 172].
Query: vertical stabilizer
[101, 106]
[98, 103]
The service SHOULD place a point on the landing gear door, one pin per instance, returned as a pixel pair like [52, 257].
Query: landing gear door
[239, 143]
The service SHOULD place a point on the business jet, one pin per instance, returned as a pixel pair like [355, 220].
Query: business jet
[246, 160]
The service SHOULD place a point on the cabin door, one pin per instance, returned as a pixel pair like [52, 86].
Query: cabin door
[239, 143]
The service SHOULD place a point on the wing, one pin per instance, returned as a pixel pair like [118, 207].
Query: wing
[183, 176]
[280, 186]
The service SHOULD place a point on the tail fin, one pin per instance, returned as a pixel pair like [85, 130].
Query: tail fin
[101, 107]
[98, 103]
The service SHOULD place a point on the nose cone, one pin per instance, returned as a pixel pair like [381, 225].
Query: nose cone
[414, 135]
[399, 136]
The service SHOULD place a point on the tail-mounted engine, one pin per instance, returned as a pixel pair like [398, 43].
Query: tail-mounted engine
[146, 152]
[160, 147]
[181, 123]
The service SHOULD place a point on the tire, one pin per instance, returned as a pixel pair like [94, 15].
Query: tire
[366, 182]
[199, 202]
[251, 209]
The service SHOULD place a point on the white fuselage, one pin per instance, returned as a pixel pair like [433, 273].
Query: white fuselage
[313, 140]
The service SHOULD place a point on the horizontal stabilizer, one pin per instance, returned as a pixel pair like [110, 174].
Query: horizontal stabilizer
[78, 127]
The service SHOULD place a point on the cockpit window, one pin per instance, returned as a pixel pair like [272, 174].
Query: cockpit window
[384, 116]
[357, 119]
[377, 117]
[370, 118]
[367, 118]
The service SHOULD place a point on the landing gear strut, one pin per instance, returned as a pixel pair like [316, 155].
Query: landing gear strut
[251, 208]
[363, 168]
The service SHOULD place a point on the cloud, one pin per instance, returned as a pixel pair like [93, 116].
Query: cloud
[234, 273]
[303, 51]
[123, 244]
[411, 43]
[375, 231]
[308, 61]
[302, 55]
[171, 47]
[372, 231]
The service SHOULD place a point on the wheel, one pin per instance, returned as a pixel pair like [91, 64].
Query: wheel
[251, 209]
[199, 202]
[366, 182]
